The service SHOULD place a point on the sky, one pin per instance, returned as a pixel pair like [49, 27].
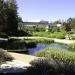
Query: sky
[48, 10]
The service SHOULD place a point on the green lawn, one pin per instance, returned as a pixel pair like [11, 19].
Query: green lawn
[60, 35]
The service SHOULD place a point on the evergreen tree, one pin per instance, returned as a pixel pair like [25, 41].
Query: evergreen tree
[8, 16]
[12, 15]
[3, 16]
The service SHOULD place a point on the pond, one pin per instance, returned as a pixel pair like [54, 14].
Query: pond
[29, 48]
[42, 46]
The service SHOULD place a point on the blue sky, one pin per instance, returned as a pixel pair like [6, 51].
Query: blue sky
[49, 10]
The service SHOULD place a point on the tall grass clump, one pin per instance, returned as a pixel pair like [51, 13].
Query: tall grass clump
[4, 56]
[53, 62]
[59, 54]
[71, 47]
[45, 41]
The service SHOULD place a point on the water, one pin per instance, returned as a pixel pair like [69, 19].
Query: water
[42, 46]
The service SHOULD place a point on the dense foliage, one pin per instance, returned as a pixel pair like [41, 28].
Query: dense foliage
[44, 66]
[8, 16]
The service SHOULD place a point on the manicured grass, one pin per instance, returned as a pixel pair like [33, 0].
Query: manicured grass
[41, 34]
[60, 35]
[59, 54]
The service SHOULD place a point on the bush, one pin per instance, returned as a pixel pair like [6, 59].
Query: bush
[4, 56]
[44, 66]
[3, 35]
[41, 67]
[16, 45]
[19, 33]
[59, 54]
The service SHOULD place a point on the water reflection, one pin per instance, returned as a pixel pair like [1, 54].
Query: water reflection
[42, 46]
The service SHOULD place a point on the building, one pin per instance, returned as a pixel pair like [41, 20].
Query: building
[35, 24]
[41, 25]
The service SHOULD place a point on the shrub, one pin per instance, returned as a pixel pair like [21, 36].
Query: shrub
[41, 67]
[44, 66]
[19, 33]
[4, 56]
[16, 45]
[3, 35]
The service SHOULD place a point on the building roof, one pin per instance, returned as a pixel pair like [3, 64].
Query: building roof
[35, 23]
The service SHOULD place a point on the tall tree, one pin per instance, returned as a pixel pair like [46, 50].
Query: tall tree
[66, 27]
[2, 15]
[12, 21]
[73, 23]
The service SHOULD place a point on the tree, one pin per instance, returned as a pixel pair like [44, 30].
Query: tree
[20, 23]
[73, 23]
[3, 16]
[8, 16]
[66, 27]
[12, 21]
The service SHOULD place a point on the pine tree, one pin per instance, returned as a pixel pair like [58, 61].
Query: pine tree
[12, 15]
[2, 15]
[8, 16]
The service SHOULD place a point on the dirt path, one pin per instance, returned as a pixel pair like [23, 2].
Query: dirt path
[23, 57]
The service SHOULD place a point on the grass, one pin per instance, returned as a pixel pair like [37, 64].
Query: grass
[60, 35]
[40, 40]
[71, 47]
[59, 54]
[41, 34]
[33, 42]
